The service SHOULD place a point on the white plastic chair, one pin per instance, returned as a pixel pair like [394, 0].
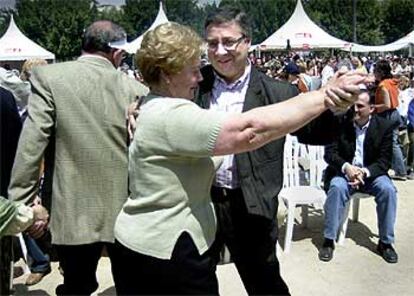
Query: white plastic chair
[23, 247]
[355, 199]
[293, 193]
[26, 269]
[225, 257]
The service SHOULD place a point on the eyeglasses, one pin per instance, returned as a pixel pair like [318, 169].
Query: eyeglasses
[228, 44]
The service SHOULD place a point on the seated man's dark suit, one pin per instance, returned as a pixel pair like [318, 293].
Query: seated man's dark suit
[377, 155]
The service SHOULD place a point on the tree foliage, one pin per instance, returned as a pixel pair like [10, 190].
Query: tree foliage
[55, 25]
[336, 17]
[140, 14]
[266, 16]
[113, 14]
[398, 16]
[58, 24]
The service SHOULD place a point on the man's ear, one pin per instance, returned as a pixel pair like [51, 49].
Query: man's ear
[118, 53]
[116, 56]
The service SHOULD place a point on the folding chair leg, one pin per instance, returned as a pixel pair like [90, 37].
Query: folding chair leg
[225, 256]
[355, 209]
[26, 268]
[278, 248]
[305, 215]
[289, 226]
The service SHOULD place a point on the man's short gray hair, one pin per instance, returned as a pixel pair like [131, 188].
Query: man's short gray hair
[99, 35]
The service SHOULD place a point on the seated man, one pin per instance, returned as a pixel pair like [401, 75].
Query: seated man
[358, 161]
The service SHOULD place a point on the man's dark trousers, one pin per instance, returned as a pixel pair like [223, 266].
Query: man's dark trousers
[251, 240]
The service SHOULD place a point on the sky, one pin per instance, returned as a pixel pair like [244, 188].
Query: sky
[6, 3]
[10, 3]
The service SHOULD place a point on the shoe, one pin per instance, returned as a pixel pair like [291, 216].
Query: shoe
[387, 252]
[399, 177]
[17, 271]
[36, 277]
[410, 176]
[326, 252]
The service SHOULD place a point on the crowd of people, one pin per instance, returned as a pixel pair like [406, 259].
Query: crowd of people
[202, 165]
[309, 72]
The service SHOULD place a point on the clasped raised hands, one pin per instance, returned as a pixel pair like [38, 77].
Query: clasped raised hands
[343, 89]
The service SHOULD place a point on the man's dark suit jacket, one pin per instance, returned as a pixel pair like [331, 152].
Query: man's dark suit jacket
[377, 148]
[10, 127]
[261, 170]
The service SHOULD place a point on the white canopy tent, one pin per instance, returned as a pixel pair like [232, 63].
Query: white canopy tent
[302, 33]
[403, 42]
[15, 46]
[161, 18]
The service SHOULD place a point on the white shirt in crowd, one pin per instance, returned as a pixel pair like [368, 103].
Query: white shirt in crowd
[327, 73]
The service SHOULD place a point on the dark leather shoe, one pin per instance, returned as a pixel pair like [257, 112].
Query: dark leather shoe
[17, 271]
[326, 252]
[387, 252]
[35, 277]
[410, 176]
[399, 177]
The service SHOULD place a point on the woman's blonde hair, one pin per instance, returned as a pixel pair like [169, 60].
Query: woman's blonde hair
[167, 48]
[29, 65]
